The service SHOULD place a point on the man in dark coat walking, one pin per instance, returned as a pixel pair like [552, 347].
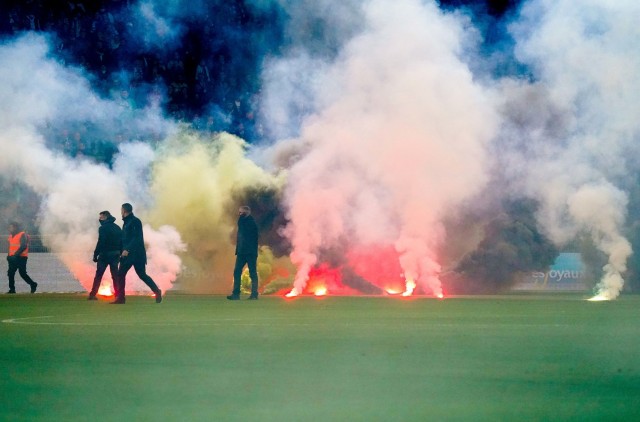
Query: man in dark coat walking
[133, 255]
[246, 253]
[107, 252]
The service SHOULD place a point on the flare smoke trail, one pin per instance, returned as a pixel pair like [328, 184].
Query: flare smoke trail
[73, 191]
[586, 62]
[397, 142]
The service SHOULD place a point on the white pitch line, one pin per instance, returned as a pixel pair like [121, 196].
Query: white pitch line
[239, 322]
[28, 321]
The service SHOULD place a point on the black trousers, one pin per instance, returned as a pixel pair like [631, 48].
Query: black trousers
[106, 260]
[241, 261]
[139, 267]
[19, 264]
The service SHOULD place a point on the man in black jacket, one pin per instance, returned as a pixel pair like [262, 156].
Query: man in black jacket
[133, 255]
[246, 253]
[107, 252]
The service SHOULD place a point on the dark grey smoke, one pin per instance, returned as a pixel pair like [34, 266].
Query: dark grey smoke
[511, 246]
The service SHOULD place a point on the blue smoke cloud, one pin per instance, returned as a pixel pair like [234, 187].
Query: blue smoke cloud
[204, 61]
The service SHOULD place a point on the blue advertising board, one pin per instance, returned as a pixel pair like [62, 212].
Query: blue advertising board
[566, 273]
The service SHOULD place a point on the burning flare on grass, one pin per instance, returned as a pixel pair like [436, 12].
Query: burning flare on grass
[320, 291]
[293, 293]
[105, 290]
[609, 287]
[410, 287]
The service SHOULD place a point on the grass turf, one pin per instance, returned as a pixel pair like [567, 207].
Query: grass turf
[331, 359]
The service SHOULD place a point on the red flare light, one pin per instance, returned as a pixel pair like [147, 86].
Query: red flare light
[379, 266]
[320, 291]
[322, 280]
[105, 290]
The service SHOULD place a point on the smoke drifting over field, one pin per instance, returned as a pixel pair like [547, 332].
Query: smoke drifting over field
[397, 142]
[73, 191]
[586, 64]
[385, 146]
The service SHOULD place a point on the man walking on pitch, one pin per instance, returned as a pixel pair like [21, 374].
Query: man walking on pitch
[107, 252]
[133, 255]
[246, 253]
[17, 258]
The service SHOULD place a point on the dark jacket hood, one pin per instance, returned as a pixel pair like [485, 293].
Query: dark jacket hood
[110, 219]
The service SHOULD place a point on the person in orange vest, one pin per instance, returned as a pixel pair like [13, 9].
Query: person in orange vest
[17, 257]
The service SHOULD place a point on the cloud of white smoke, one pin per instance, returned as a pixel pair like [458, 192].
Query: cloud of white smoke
[586, 61]
[397, 141]
[73, 190]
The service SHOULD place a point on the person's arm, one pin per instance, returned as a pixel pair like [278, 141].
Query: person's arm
[254, 234]
[120, 241]
[99, 244]
[135, 238]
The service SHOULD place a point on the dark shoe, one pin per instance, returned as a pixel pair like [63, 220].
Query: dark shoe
[91, 297]
[11, 292]
[253, 297]
[233, 297]
[117, 302]
[34, 287]
[159, 296]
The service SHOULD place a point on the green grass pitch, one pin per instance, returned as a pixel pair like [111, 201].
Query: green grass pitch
[203, 358]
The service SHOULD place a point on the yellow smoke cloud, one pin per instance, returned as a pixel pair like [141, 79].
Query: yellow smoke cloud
[275, 273]
[196, 185]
